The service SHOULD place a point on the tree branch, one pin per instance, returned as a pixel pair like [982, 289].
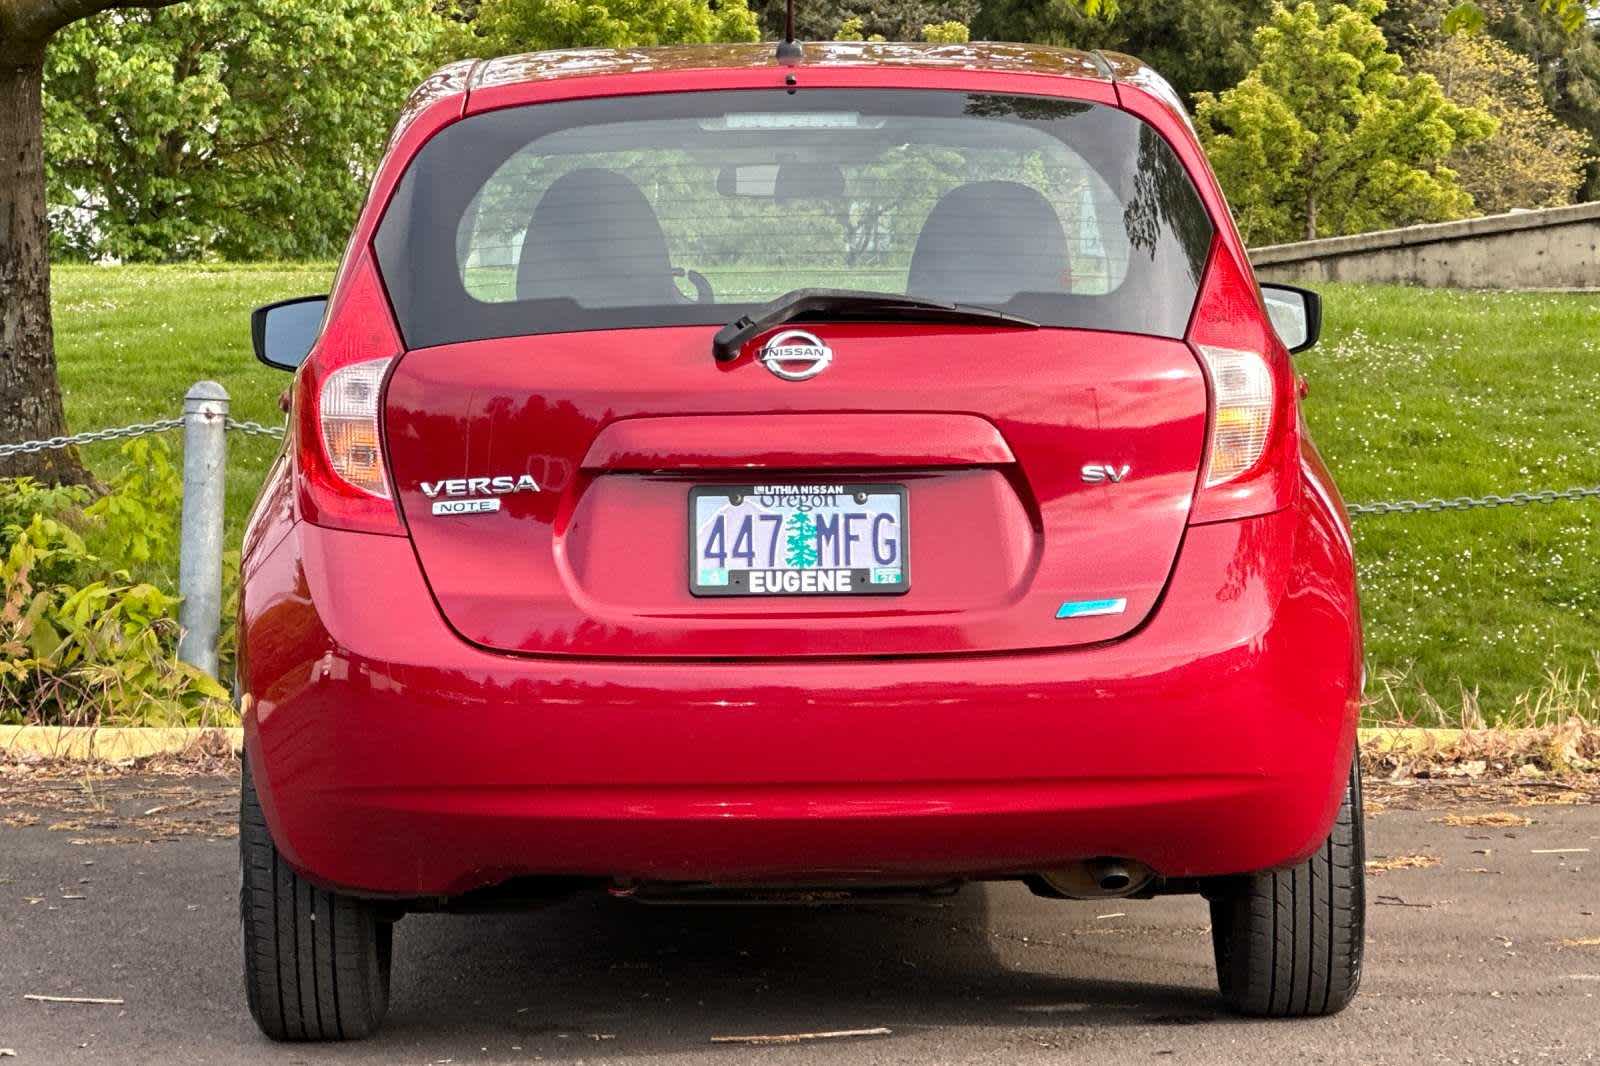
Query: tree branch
[35, 21]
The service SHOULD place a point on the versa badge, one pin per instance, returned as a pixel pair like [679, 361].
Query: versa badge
[475, 495]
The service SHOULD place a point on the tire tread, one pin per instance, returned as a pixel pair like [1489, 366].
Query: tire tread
[316, 963]
[1288, 943]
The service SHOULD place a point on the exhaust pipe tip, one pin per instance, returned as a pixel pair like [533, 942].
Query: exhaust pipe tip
[1115, 880]
[1104, 878]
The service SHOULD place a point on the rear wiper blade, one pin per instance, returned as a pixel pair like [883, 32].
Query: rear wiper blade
[851, 303]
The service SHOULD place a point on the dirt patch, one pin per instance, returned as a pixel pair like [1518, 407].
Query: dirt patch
[1454, 793]
[1564, 798]
[98, 807]
[1489, 819]
[1385, 863]
[1571, 749]
[202, 761]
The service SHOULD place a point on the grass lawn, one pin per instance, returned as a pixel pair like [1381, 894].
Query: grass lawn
[131, 340]
[1413, 394]
[1420, 393]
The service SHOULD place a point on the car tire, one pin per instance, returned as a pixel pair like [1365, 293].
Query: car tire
[1289, 942]
[316, 963]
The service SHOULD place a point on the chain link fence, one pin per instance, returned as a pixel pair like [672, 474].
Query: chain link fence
[206, 422]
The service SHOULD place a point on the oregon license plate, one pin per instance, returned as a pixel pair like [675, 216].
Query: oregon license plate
[801, 539]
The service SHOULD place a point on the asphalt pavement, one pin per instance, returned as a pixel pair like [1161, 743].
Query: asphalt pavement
[1484, 947]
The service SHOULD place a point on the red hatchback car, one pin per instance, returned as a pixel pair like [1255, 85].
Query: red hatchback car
[714, 476]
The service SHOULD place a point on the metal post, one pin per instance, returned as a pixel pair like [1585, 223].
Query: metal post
[205, 453]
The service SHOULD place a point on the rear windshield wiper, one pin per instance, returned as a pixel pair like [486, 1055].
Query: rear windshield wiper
[851, 303]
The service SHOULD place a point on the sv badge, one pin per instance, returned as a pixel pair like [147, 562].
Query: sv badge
[1098, 473]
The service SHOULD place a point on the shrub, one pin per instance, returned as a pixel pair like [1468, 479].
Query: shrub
[82, 640]
[948, 32]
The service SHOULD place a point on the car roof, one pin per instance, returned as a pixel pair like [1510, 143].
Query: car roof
[976, 56]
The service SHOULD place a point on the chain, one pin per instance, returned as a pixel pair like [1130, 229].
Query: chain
[1467, 503]
[244, 426]
[138, 429]
[1380, 507]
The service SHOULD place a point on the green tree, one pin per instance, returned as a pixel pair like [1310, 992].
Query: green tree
[1413, 26]
[30, 394]
[816, 21]
[219, 128]
[1573, 15]
[532, 25]
[1204, 45]
[1533, 159]
[1197, 45]
[1567, 66]
[800, 541]
[1327, 136]
[854, 29]
[871, 20]
[949, 31]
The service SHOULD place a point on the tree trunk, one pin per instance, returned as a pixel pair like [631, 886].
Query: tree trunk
[1311, 215]
[30, 397]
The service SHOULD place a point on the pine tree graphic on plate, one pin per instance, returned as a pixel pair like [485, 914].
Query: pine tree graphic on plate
[800, 544]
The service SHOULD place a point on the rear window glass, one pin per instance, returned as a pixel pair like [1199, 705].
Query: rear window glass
[695, 208]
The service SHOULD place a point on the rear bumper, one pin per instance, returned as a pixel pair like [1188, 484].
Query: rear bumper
[393, 758]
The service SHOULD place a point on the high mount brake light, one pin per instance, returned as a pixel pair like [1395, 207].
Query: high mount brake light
[1252, 443]
[343, 479]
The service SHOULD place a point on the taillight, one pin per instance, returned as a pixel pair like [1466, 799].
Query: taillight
[349, 410]
[343, 480]
[1241, 411]
[1252, 447]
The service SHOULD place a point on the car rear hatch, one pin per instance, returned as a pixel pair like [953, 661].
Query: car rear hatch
[559, 414]
[617, 428]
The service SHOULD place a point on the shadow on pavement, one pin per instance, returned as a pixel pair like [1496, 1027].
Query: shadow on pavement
[595, 976]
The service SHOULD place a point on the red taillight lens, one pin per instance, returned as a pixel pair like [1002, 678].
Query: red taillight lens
[343, 479]
[1252, 447]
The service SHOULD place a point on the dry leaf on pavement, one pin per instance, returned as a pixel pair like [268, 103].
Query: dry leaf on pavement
[1401, 862]
[1493, 818]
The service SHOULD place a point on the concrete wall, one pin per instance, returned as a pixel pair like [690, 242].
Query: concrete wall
[1556, 248]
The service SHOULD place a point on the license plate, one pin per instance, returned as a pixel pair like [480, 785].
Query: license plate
[802, 539]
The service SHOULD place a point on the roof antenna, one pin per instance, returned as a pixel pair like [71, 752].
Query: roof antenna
[789, 53]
